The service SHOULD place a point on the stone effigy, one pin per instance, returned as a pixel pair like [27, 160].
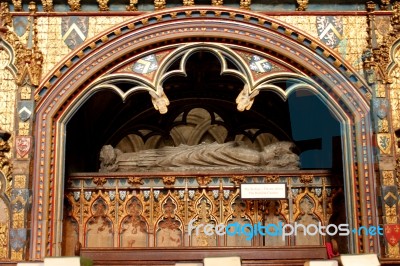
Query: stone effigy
[213, 156]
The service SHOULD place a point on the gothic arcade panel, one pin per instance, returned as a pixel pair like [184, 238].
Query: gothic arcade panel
[99, 228]
[134, 228]
[175, 211]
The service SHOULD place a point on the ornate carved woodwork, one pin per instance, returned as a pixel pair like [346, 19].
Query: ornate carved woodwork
[28, 61]
[157, 214]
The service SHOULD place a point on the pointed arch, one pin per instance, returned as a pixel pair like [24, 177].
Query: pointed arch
[64, 89]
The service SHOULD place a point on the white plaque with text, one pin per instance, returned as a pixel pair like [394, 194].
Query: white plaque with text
[263, 191]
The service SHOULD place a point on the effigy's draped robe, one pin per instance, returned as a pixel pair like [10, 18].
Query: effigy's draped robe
[213, 156]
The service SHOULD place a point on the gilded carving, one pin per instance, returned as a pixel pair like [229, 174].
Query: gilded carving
[17, 5]
[306, 179]
[203, 181]
[245, 4]
[103, 5]
[135, 181]
[302, 5]
[169, 180]
[74, 5]
[28, 61]
[48, 5]
[16, 255]
[272, 178]
[99, 181]
[395, 19]
[188, 2]
[217, 2]
[132, 5]
[4, 240]
[159, 4]
[145, 212]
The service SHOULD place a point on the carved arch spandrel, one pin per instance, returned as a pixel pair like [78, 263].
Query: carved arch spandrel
[252, 84]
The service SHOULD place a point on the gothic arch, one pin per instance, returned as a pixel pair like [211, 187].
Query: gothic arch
[70, 83]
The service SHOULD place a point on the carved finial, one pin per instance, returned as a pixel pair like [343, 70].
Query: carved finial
[74, 5]
[245, 4]
[188, 2]
[159, 4]
[103, 5]
[245, 99]
[217, 2]
[132, 5]
[302, 5]
[17, 5]
[48, 5]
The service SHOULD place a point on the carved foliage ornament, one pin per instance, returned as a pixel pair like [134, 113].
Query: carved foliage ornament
[28, 61]
[382, 52]
[74, 5]
[245, 4]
